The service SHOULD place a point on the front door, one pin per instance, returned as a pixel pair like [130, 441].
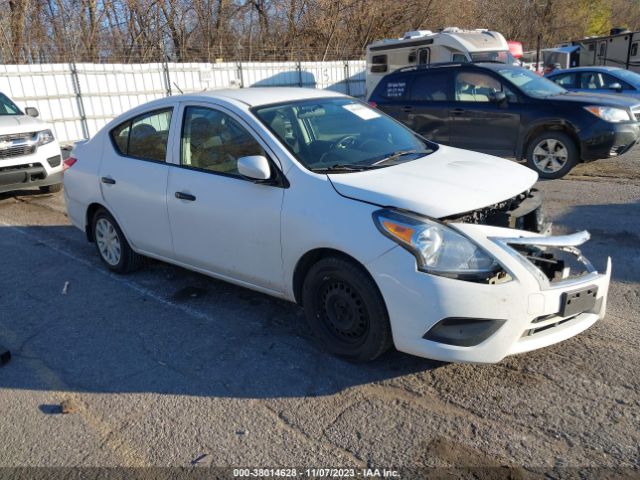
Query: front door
[479, 123]
[222, 222]
[133, 176]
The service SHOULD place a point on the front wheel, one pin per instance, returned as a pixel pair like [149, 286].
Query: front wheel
[552, 154]
[113, 248]
[345, 310]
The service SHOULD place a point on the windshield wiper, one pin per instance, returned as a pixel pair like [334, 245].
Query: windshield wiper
[398, 154]
[345, 167]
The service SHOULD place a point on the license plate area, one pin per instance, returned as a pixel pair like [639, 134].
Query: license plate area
[578, 301]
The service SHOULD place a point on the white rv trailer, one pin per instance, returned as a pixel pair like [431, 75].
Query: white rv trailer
[424, 46]
[621, 48]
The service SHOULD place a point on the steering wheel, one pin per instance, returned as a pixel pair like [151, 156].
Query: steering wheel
[345, 142]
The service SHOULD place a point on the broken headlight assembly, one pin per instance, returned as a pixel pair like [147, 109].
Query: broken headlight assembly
[439, 249]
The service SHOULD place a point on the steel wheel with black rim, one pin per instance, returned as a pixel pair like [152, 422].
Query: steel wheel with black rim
[112, 246]
[345, 310]
[552, 154]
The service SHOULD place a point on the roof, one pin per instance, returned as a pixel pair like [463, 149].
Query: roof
[583, 69]
[434, 66]
[255, 96]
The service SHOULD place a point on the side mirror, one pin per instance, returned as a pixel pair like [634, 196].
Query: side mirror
[254, 167]
[32, 112]
[616, 87]
[499, 98]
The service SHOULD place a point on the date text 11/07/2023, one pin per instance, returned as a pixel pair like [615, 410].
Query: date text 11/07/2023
[315, 473]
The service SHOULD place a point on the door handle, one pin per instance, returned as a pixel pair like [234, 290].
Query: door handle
[186, 196]
[457, 111]
[407, 108]
[108, 180]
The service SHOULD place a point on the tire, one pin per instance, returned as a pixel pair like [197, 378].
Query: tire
[51, 188]
[345, 310]
[552, 154]
[113, 248]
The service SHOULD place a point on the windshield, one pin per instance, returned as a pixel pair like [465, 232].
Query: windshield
[502, 56]
[531, 83]
[341, 134]
[631, 77]
[7, 107]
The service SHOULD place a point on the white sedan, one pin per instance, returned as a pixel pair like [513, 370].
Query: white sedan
[382, 236]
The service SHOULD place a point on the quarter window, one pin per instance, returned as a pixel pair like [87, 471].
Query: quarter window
[213, 141]
[145, 136]
[634, 49]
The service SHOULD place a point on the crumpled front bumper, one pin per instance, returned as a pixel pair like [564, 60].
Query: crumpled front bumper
[529, 304]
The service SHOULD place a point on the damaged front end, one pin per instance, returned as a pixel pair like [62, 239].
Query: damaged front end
[522, 212]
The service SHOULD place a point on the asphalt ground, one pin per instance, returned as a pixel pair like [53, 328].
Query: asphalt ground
[165, 367]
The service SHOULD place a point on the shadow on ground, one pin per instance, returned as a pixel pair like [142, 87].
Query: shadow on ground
[162, 329]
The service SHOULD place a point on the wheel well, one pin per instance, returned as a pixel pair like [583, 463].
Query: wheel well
[562, 128]
[308, 260]
[88, 228]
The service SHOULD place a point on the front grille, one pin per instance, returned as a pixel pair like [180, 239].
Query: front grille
[17, 144]
[18, 137]
[17, 151]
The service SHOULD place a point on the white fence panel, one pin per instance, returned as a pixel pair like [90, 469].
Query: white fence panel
[79, 99]
[49, 88]
[111, 89]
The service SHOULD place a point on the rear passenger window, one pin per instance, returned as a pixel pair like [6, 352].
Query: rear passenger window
[567, 80]
[431, 88]
[145, 136]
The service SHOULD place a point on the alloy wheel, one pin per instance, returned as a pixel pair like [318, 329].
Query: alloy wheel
[550, 155]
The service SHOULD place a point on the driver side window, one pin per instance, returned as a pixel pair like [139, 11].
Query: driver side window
[213, 141]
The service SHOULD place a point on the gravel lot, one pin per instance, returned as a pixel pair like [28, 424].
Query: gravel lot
[164, 366]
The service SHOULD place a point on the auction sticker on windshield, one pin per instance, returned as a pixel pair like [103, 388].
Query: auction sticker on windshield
[361, 111]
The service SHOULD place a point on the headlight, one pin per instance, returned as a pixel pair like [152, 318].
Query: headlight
[438, 249]
[610, 114]
[45, 136]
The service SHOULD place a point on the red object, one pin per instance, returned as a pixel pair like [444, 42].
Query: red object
[373, 104]
[68, 163]
[515, 48]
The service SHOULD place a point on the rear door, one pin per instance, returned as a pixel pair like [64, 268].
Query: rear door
[427, 110]
[133, 176]
[479, 123]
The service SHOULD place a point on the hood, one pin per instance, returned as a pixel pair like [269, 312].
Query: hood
[10, 124]
[604, 99]
[447, 182]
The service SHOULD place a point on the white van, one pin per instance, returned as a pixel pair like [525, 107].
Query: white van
[424, 46]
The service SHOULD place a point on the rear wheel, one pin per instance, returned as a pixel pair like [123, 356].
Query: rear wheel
[113, 248]
[51, 188]
[345, 310]
[552, 154]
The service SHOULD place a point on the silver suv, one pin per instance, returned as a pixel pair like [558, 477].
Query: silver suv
[29, 153]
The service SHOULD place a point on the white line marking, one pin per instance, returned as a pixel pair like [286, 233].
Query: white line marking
[195, 313]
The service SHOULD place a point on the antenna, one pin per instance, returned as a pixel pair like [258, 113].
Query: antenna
[179, 89]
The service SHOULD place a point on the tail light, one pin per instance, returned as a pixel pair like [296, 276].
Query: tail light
[68, 163]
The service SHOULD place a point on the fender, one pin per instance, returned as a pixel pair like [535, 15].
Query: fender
[538, 125]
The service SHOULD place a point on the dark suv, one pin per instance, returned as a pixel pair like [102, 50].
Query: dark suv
[508, 111]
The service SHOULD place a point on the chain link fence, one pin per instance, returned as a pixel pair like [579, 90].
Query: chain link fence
[79, 98]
